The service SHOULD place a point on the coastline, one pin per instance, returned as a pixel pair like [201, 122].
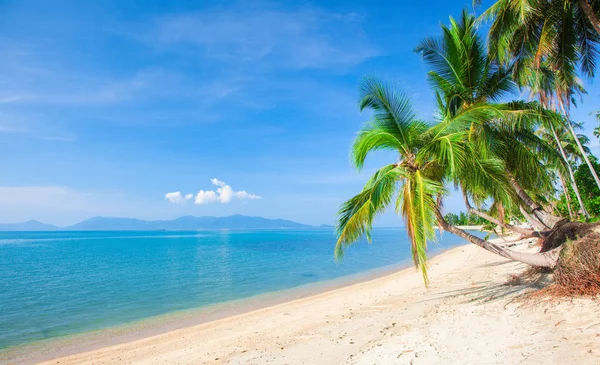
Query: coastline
[392, 318]
[64, 346]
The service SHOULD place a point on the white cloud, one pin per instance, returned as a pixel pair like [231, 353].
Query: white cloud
[206, 197]
[217, 182]
[176, 197]
[245, 195]
[224, 194]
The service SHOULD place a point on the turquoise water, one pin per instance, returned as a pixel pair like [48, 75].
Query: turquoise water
[61, 283]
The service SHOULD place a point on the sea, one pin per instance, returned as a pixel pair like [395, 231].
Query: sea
[63, 283]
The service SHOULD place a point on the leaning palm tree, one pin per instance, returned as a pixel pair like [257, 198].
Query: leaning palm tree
[468, 84]
[570, 146]
[540, 81]
[428, 158]
[561, 34]
[563, 141]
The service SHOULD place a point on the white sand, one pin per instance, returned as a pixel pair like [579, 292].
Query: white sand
[472, 228]
[467, 316]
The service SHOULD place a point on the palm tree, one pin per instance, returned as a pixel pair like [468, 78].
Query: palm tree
[561, 34]
[571, 149]
[467, 83]
[563, 141]
[541, 83]
[428, 157]
[541, 28]
[488, 149]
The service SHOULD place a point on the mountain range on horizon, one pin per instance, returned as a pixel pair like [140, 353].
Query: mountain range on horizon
[178, 224]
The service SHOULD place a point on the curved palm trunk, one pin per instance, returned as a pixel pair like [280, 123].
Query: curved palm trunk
[589, 13]
[563, 183]
[573, 182]
[534, 222]
[542, 259]
[501, 213]
[489, 218]
[547, 219]
[585, 156]
[579, 146]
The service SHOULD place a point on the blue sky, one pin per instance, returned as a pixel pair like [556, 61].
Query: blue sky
[107, 106]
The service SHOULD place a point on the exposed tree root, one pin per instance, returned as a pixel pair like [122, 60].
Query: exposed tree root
[577, 272]
[578, 269]
[565, 232]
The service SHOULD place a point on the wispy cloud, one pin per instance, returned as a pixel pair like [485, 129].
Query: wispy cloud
[224, 194]
[177, 198]
[196, 67]
[33, 126]
[297, 39]
[6, 99]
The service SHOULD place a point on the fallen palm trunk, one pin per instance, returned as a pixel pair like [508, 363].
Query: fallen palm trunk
[524, 231]
[546, 259]
[547, 219]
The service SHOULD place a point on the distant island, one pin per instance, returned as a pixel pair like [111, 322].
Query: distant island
[178, 224]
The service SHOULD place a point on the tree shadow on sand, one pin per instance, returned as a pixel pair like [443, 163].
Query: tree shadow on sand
[505, 286]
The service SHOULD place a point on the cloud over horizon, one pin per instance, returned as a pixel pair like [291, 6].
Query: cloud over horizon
[224, 194]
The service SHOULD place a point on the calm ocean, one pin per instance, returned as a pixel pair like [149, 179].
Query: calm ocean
[61, 283]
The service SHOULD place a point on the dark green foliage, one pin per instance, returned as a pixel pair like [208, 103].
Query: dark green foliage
[590, 194]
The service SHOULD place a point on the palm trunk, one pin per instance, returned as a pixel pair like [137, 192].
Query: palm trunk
[524, 231]
[589, 13]
[533, 221]
[547, 219]
[579, 146]
[563, 183]
[501, 213]
[542, 259]
[573, 183]
[585, 156]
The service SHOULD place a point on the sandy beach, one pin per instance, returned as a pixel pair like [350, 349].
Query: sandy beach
[468, 315]
[473, 228]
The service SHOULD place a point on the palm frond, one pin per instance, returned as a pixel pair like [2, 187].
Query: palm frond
[356, 215]
[392, 116]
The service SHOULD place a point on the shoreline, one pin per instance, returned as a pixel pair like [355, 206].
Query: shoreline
[64, 346]
[388, 319]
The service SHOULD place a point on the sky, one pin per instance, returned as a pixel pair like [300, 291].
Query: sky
[159, 109]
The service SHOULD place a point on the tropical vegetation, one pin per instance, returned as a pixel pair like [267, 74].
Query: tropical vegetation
[546, 41]
[507, 157]
[589, 191]
[464, 219]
